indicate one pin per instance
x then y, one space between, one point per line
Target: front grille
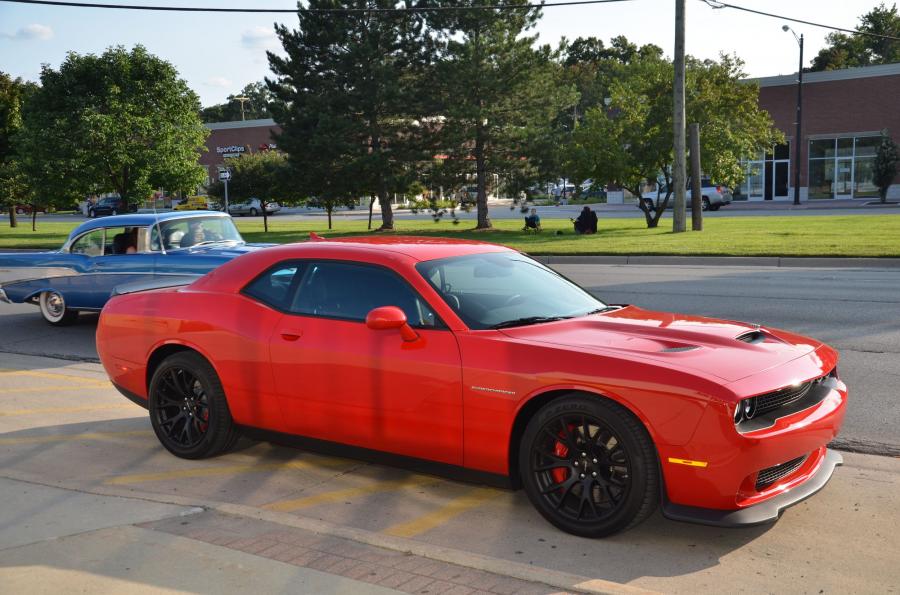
770 475
780 398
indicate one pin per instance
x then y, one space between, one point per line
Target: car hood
705 345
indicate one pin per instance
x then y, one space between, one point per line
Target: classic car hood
702 344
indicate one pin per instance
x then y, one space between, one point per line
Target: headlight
745 409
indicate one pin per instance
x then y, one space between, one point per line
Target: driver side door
339 380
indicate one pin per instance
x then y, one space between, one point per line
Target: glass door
843 179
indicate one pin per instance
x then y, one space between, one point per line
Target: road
855 310
503 211
92 503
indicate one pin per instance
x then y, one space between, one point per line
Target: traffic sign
225 175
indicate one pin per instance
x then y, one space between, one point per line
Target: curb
730 261
553 578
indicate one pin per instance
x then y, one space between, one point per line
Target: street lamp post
797 137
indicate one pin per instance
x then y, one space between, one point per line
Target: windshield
193 231
505 289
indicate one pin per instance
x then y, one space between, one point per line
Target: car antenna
162 245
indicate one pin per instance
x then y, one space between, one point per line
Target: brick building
844 112
229 140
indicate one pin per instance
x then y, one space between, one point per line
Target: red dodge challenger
482 362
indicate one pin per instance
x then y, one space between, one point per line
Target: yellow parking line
74 437
457 506
345 494
224 470
46 410
43 389
53 375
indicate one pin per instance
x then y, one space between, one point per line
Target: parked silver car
712 198
252 207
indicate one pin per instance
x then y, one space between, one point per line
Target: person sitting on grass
586 222
532 221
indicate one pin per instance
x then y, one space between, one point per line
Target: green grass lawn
855 235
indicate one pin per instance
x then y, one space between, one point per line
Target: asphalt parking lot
91 499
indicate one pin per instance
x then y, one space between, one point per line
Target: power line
715 4
529 6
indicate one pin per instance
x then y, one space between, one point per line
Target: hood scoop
679 349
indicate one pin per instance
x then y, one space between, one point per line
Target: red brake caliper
560 474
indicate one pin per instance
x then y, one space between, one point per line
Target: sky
217 54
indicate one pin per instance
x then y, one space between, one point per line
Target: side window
90 244
274 286
350 292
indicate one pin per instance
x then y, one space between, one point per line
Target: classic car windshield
193 231
505 289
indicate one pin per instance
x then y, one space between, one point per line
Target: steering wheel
513 299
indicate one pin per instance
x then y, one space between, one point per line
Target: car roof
139 220
416 247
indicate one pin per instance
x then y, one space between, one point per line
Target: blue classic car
103 254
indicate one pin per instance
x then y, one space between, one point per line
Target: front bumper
766 511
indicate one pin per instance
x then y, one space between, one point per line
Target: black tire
704 204
20 211
253 212
595 487
92 214
54 310
714 207
114 212
188 409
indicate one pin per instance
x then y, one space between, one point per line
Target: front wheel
54 311
589 466
92 213
188 409
254 212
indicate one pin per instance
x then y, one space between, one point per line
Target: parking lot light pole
797 138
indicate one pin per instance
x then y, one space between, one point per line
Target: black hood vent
752 337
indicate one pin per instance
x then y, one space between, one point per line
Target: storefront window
821 177
864 177
821 148
842 167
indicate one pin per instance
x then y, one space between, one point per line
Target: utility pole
678 117
242 99
696 199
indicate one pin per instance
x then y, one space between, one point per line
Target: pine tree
348 100
500 93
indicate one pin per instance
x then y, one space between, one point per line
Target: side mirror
390 317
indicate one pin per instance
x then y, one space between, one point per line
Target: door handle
291 335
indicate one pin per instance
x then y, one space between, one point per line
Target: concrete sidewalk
55 541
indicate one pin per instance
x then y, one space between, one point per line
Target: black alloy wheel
589 466
188 409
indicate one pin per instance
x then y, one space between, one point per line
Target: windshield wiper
601 310
528 320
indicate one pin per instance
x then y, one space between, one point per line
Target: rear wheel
705 204
114 212
92 213
54 310
589 466
253 212
188 409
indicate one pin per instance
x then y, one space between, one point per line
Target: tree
499 93
122 121
885 166
630 141
349 100
847 51
262 175
13 185
257 105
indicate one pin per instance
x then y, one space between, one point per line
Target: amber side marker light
687 462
